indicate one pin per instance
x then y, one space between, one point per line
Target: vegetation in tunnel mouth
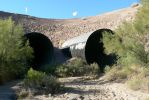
94 50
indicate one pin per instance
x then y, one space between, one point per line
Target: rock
113 93
49 95
134 5
74 97
81 98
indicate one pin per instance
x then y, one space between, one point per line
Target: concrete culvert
94 49
90 47
43 49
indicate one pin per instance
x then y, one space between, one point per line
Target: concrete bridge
57 40
61 45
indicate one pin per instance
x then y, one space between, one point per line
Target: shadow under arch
43 49
94 50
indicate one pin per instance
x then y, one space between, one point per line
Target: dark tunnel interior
94 49
43 49
66 52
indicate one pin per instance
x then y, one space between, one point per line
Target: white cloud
26 10
75 13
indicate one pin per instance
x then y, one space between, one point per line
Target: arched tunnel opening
94 50
43 49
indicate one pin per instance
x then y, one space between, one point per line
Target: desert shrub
107 69
115 73
139 80
141 22
41 83
51 69
76 67
135 83
130 41
147 98
22 94
93 69
127 45
136 77
14 54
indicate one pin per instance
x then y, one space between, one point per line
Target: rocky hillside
59 30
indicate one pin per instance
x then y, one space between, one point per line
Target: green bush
41 83
130 41
14 54
76 67
93 69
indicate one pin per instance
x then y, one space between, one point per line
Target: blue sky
62 9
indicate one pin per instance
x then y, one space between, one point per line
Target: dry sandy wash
82 88
97 89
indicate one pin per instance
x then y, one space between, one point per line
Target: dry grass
137 78
116 73
147 98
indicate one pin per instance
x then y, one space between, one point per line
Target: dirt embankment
59 30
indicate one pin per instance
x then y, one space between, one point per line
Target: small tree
130 42
14 54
